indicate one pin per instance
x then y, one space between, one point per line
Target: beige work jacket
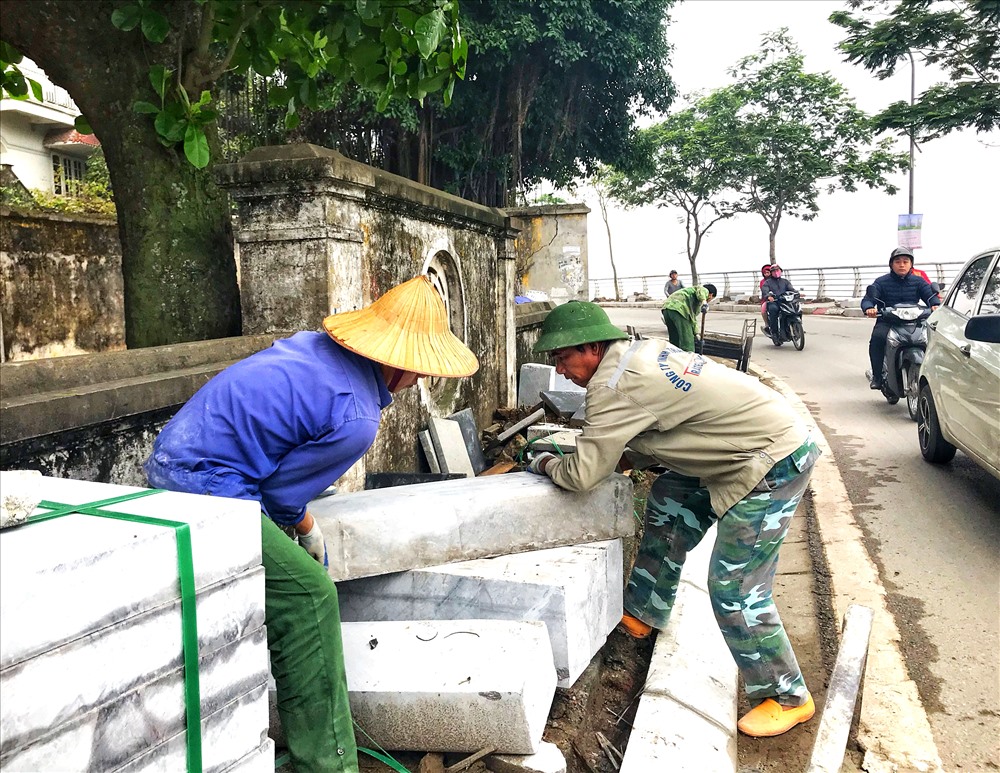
692 415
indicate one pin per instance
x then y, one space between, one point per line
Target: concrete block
428 448
515 428
668 736
145 723
96 672
691 663
449 445
470 433
579 417
260 760
563 384
62 560
411 527
548 759
456 686
576 591
543 429
564 441
534 379
564 404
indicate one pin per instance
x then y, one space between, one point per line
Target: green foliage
13 83
391 50
795 133
962 37
546 199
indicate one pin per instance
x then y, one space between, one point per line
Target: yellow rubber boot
771 718
634 627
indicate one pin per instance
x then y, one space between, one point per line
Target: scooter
789 321
904 352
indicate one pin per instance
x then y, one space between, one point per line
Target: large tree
962 37
553 90
797 134
144 75
687 162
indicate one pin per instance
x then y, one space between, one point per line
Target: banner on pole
909 231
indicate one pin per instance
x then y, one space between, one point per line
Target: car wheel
933 447
798 335
912 375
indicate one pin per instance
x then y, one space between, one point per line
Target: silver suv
959 399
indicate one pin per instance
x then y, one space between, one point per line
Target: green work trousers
307 656
680 331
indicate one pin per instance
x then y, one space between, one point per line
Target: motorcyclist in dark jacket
900 285
770 290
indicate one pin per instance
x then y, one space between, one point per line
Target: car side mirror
985 328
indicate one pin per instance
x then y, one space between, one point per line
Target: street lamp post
913 96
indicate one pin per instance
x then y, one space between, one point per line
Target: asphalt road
934 532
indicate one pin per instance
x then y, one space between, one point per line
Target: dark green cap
575 323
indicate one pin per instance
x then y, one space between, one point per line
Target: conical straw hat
407 328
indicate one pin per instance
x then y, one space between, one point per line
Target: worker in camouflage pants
738 456
740 575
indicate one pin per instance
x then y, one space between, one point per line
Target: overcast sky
956 178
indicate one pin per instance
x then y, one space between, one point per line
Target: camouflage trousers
741 570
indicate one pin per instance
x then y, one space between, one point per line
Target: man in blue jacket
900 285
279 427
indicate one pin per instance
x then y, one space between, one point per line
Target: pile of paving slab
92 634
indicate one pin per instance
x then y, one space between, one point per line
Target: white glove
314 544
704 308
535 465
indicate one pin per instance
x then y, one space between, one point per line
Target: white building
37 140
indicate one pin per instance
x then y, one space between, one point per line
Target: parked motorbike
789 321
904 352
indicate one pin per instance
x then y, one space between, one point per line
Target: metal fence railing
832 282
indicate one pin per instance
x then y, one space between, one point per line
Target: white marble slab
139 721
453 686
227 736
576 591
410 527
52 688
260 760
86 573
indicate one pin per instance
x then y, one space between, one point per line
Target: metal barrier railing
833 282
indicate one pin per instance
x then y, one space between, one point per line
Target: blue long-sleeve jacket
278 427
892 289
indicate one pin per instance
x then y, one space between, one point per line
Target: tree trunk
174 222
611 254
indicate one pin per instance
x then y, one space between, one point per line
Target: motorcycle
904 352
789 321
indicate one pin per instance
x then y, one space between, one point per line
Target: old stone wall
551 250
61 286
319 233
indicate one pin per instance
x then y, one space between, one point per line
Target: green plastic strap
189 617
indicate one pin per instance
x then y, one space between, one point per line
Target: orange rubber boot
771 718
634 627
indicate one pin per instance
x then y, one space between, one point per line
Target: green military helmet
575 323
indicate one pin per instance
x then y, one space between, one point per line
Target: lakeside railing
831 282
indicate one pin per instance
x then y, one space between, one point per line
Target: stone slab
450 686
470 433
668 736
548 759
227 736
260 760
428 448
96 670
63 560
534 378
449 445
564 404
563 384
515 428
134 724
543 429
576 591
564 441
411 527
579 417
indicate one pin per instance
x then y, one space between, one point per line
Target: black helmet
901 252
